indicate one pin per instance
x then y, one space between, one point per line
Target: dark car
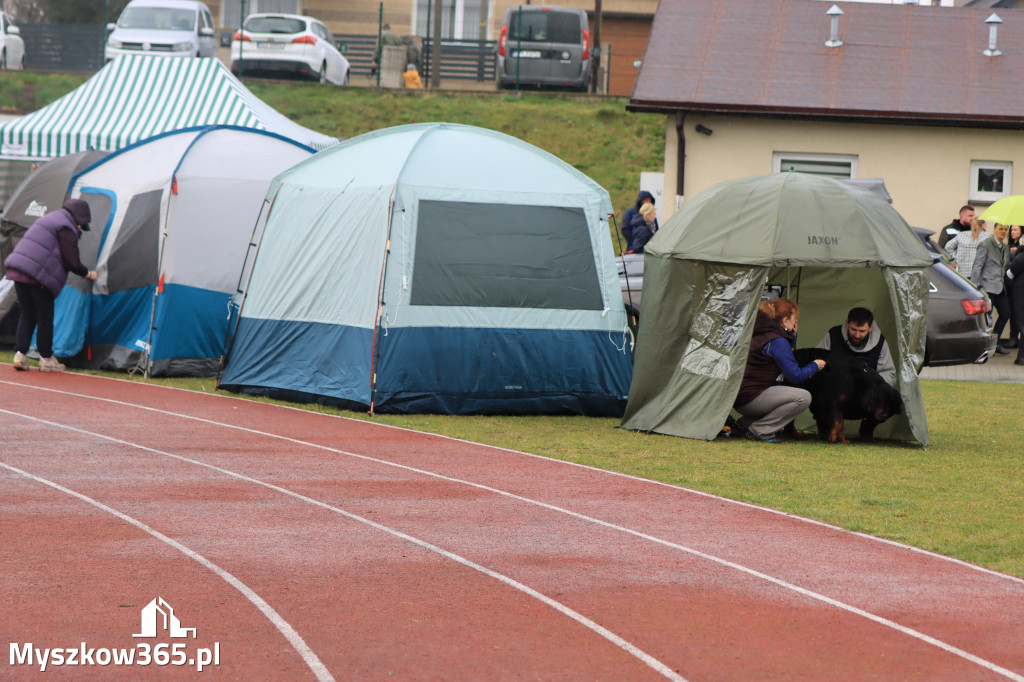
959 314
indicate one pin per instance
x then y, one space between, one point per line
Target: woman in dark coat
765 402
1015 279
1014 243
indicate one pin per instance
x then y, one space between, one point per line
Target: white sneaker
50 365
20 361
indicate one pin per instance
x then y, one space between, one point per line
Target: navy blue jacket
633 211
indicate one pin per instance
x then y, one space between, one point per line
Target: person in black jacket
860 337
959 224
1014 243
1015 278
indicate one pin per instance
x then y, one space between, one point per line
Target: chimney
993 24
833 14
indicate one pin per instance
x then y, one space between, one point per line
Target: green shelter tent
824 243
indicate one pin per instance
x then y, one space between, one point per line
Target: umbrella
1006 211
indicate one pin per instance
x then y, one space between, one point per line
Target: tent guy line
583 517
591 625
289 633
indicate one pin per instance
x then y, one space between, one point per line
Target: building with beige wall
910 94
926 169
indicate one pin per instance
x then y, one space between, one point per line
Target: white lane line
300 646
552 460
666 543
558 606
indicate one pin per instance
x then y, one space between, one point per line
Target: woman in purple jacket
39 267
765 402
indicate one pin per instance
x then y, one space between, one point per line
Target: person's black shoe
1001 351
762 439
1009 344
1019 361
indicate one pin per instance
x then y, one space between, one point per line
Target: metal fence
63 47
77 47
468 60
472 60
358 50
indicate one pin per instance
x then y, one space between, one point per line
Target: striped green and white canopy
136 97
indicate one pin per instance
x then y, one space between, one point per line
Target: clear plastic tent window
718 320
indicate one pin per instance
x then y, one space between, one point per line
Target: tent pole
229 335
375 347
622 257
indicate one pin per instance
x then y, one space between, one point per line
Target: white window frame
457 21
779 157
978 195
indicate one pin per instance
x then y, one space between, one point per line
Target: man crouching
860 337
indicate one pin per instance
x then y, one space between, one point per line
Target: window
990 180
460 19
551 27
504 256
830 165
231 10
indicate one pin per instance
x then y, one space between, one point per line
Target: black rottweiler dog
847 389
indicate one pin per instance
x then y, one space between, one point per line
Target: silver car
162 28
544 46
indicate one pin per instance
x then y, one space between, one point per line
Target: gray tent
826 244
38 194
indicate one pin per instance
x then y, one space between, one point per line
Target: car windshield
158 18
282 25
545 27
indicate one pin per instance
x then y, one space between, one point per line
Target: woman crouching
765 403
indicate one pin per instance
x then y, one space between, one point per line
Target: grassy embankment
963 496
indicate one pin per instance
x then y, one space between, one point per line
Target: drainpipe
680 156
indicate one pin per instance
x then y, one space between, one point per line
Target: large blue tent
435 268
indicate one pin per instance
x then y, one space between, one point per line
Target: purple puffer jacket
38 253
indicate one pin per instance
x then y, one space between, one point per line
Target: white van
162 28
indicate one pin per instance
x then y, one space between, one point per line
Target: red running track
305 546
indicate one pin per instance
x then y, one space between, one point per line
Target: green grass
597 136
963 496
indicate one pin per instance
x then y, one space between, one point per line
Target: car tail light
241 36
976 306
308 40
501 40
586 44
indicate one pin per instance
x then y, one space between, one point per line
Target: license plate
527 54
270 46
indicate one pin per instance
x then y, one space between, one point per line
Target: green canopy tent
826 244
